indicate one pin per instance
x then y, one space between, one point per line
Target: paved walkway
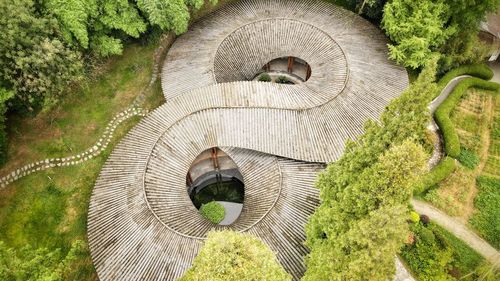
460 230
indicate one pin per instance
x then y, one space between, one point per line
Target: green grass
49 208
487 202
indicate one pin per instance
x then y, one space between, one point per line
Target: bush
265 77
438 174
442 115
487 220
228 255
213 211
282 80
468 158
414 217
439 255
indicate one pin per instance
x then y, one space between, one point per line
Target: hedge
438 174
477 70
213 211
442 115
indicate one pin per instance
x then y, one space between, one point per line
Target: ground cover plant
487 218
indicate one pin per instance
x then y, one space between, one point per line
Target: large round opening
215 186
284 70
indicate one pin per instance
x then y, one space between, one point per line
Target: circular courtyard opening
215 186
285 70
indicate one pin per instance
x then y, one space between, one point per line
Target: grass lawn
49 208
472 118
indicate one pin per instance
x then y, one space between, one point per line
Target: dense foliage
46 46
213 211
36 264
360 224
228 255
487 219
435 254
4 97
41 48
420 28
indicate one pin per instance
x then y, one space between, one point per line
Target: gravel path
459 230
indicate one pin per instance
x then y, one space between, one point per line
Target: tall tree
361 228
418 28
36 63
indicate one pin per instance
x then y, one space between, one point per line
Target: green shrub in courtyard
265 77
228 255
282 80
213 211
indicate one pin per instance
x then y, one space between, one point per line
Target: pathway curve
460 230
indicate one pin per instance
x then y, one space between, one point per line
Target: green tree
36 63
228 255
360 228
463 46
361 218
74 17
5 95
418 28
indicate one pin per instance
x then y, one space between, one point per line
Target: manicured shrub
477 70
442 115
438 174
468 158
213 211
282 80
487 220
265 77
228 255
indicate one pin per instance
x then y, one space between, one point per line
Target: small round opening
215 186
284 70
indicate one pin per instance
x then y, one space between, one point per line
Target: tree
36 63
359 229
463 46
5 95
418 28
228 255
74 17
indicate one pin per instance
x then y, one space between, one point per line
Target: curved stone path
93 151
460 230
141 223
